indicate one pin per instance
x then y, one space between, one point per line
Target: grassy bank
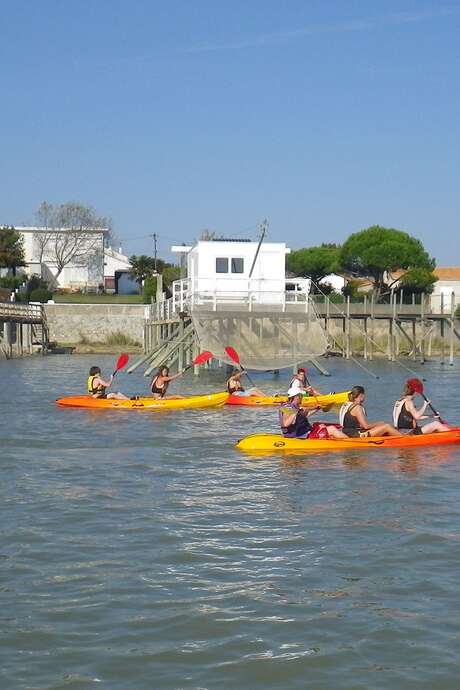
78 298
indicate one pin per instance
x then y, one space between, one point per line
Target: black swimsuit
159 391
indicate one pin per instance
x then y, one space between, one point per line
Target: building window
221 265
237 265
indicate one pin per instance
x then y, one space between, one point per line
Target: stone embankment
100 326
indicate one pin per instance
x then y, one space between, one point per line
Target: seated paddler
97 387
294 420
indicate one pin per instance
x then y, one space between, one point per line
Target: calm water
140 551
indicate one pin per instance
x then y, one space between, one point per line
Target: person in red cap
406 415
299 380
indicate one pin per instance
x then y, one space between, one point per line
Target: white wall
268 274
114 261
445 287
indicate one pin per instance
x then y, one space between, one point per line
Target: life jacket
300 427
159 391
402 418
235 387
347 420
297 383
98 391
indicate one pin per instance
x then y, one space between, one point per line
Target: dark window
237 265
221 265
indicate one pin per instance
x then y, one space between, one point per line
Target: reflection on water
143 550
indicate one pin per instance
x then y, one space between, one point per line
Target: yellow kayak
309 401
277 442
190 402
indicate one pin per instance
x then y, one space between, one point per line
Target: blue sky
324 117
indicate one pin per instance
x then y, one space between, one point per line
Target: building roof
37 229
447 273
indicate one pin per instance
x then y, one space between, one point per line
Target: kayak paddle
233 354
202 358
122 361
309 384
417 386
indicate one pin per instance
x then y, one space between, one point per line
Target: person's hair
94 371
301 371
160 370
408 390
355 391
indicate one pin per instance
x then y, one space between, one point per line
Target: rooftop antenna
263 229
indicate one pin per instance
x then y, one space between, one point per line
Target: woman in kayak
353 419
294 420
97 387
300 380
406 415
235 387
160 382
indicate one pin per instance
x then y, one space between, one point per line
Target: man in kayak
294 420
160 382
235 387
97 387
406 415
300 380
353 419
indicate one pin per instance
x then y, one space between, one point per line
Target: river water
140 550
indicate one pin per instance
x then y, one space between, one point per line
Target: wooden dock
23 329
413 329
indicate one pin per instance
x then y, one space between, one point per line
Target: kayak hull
277 443
308 401
193 401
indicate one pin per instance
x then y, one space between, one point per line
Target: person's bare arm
288 418
100 382
417 414
361 419
171 378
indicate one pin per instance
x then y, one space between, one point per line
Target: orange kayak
192 401
277 443
307 401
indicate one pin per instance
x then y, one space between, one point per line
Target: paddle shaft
436 414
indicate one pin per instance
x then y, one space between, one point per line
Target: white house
448 283
114 261
88 261
235 271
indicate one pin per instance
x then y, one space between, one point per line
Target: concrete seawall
95 323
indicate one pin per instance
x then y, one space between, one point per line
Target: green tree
376 252
418 280
11 249
314 262
142 267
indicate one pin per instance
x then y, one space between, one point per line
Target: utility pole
263 228
155 250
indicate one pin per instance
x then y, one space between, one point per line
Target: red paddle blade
203 357
122 361
416 385
233 354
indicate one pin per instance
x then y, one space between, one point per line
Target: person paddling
160 382
235 387
300 380
406 415
353 419
294 420
97 387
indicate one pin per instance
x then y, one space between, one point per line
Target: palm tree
141 267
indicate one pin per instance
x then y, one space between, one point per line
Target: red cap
304 371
